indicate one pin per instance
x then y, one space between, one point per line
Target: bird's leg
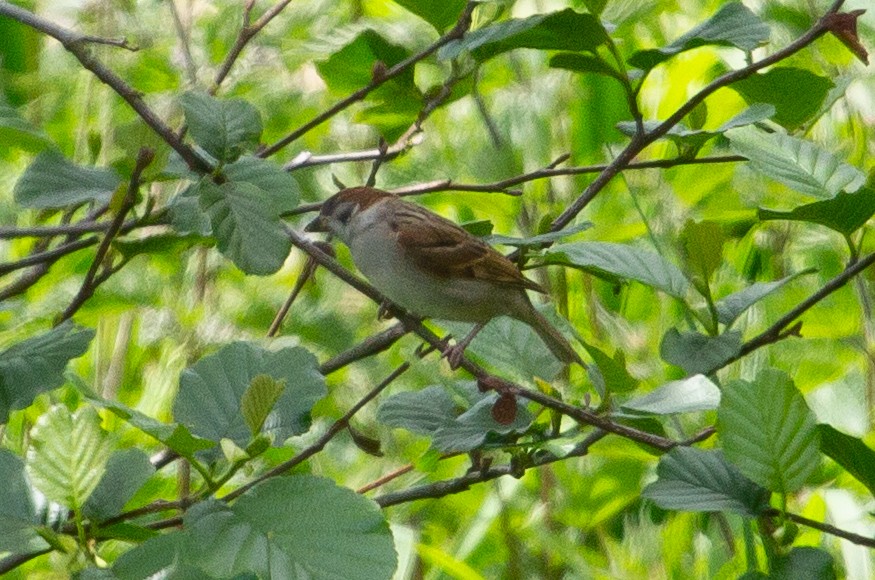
455 353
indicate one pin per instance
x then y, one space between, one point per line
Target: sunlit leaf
696 393
733 25
797 163
441 14
732 306
68 454
768 431
259 399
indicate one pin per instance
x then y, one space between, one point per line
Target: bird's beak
317 225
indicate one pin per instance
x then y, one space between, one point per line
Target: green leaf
798 164
36 365
768 431
278 187
352 67
845 213
186 215
540 239
423 412
697 353
703 249
583 63
160 557
292 527
52 182
247 228
696 393
126 471
732 306
513 346
804 562
477 426
441 15
850 452
797 94
614 375
621 261
564 30
696 480
16 131
68 455
223 127
211 392
258 401
733 25
17 515
479 228
177 437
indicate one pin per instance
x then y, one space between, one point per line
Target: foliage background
582 517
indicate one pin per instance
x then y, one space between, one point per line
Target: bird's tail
558 344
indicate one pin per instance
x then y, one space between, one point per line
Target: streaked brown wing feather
441 247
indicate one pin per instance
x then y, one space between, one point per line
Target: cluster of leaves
79 480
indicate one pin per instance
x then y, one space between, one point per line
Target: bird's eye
345 212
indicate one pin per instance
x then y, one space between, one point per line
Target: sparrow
433 268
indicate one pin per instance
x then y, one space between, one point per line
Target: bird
433 268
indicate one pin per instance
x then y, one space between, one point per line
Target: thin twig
48 256
463 483
641 140
320 443
503 186
144 158
77 45
826 528
372 345
456 32
776 331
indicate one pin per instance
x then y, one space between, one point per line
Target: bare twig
503 186
826 528
47 257
372 345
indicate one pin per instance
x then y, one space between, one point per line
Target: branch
247 32
642 140
503 186
320 443
826 528
77 45
90 283
47 257
463 483
457 32
776 331
501 385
